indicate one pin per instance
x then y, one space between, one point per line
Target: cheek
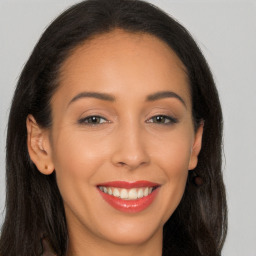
76 160
75 152
173 152
173 159
174 162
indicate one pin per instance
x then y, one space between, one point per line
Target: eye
92 120
162 119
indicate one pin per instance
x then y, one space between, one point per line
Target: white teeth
124 194
116 193
140 193
127 194
109 191
145 192
133 194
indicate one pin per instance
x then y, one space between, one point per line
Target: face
122 125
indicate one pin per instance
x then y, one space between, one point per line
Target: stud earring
196 179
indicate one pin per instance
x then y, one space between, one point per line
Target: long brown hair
34 205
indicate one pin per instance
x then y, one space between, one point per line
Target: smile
129 197
127 194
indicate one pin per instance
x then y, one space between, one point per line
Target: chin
132 234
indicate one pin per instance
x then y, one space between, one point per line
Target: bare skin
130 134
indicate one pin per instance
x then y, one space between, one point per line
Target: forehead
120 43
116 61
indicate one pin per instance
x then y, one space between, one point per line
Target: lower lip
130 206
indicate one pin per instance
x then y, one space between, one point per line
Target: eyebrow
165 94
96 95
111 98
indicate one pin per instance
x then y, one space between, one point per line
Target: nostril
121 163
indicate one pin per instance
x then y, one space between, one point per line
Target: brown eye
92 120
162 119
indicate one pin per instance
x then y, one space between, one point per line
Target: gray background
226 33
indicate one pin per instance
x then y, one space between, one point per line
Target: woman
114 140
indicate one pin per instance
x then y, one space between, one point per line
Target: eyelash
171 120
89 120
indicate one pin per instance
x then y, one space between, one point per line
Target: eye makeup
94 120
163 120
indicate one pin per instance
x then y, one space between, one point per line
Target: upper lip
128 184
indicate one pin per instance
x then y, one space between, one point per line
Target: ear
39 147
196 147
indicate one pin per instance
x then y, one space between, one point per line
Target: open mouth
128 194
129 197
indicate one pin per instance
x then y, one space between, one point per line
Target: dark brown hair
34 205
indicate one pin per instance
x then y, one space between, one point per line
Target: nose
131 150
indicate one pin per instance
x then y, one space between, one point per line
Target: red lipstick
127 185
129 206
